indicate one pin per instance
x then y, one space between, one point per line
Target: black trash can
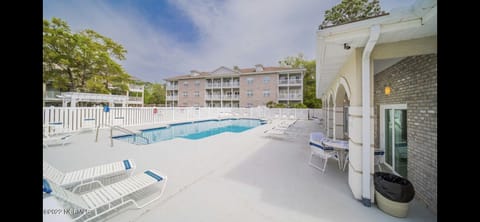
393 193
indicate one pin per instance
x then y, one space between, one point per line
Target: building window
250 80
185 94
266 79
266 93
196 93
197 83
185 83
249 93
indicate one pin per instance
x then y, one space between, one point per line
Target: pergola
74 97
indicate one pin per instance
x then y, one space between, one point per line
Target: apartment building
237 87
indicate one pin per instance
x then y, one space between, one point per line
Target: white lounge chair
56 140
319 149
88 124
100 175
103 200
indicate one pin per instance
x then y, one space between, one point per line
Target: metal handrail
121 129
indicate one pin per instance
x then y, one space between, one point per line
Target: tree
351 10
83 61
298 106
309 84
154 93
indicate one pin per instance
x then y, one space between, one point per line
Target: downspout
366 129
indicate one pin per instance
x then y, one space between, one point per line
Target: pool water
193 130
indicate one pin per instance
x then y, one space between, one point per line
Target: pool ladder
124 130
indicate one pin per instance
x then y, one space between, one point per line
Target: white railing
295 81
73 119
172 97
172 87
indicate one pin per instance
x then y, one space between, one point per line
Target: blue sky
165 38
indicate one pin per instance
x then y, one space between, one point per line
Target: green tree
298 106
351 10
83 61
309 84
154 93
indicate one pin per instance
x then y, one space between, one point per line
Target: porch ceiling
416 21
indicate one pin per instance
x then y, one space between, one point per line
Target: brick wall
414 82
257 87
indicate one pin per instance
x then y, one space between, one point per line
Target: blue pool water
193 130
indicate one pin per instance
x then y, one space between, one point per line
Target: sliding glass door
393 125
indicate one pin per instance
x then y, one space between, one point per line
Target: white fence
74 118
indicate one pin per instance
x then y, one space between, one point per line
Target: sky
166 38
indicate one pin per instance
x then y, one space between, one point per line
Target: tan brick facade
248 87
413 82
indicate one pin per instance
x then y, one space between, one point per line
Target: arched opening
342 102
330 116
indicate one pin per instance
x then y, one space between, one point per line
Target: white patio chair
318 149
106 199
379 158
101 175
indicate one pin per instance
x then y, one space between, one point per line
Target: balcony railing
213 97
224 97
283 82
134 98
294 96
172 87
172 97
295 81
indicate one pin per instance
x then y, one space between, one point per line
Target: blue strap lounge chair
103 200
101 174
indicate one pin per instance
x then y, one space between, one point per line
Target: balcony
292 96
135 88
172 97
295 81
283 82
172 87
234 84
134 98
230 97
213 97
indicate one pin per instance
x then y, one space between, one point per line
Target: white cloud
232 32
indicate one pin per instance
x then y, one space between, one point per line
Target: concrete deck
233 177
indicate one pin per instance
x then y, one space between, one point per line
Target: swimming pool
193 130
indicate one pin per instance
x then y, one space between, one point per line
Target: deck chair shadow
89 178
318 149
133 190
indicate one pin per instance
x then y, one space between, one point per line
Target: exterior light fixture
388 90
346 46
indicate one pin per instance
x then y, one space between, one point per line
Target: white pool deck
232 177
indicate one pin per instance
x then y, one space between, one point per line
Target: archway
342 102
330 122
